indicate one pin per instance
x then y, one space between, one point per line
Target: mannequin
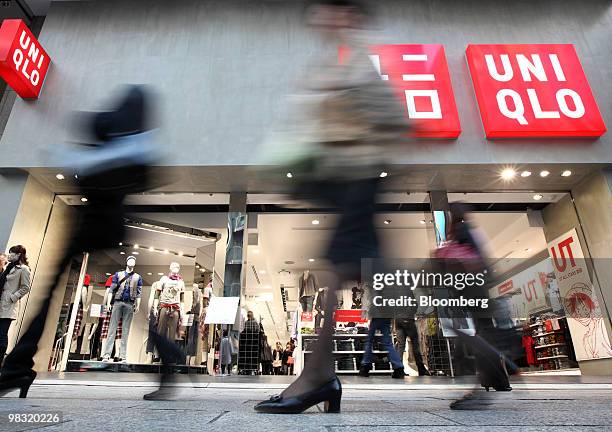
124 298
169 302
319 305
196 311
308 287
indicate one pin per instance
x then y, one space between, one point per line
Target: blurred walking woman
350 115
14 284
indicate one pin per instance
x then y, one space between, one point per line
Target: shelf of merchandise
351 352
552 357
549 345
549 333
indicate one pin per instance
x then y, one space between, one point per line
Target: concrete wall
12 187
221 69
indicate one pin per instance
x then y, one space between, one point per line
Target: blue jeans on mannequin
384 325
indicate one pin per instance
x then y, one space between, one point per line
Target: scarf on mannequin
173 276
5 273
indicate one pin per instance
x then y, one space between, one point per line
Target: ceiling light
387 222
150 274
160 274
121 253
422 221
151 249
83 199
181 253
316 222
202 270
508 174
525 173
136 246
120 243
289 175
544 173
384 174
538 197
166 251
108 274
311 260
60 176
197 265
566 173
135 253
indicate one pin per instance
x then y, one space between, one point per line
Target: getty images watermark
404 280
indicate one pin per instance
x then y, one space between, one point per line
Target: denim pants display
306 302
384 325
121 311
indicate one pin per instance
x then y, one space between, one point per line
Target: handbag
290 360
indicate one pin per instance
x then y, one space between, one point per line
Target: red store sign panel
23 61
533 91
420 75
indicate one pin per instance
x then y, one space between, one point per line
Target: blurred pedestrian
465 251
14 284
3 261
116 165
351 115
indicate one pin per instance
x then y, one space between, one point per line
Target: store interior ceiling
282 245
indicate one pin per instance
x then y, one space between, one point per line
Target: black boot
364 370
398 373
423 370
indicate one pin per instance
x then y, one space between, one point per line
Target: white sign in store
222 310
582 308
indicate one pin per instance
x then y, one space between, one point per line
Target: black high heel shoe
22 383
330 393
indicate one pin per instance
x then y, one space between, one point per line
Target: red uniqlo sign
420 75
23 61
533 91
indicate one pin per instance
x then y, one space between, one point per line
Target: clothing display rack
249 355
547 343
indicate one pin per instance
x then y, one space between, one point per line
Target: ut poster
582 308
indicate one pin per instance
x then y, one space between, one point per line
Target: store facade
221 72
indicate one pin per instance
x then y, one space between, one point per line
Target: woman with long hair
14 284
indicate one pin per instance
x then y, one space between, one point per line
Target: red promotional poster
420 75
533 91
23 61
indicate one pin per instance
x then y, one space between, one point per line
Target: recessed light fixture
525 173
120 243
289 175
422 221
387 221
181 253
136 246
384 174
135 253
315 222
160 274
84 199
202 270
151 249
566 173
59 176
508 174
544 173
311 260
197 265
121 253
150 274
538 197
166 251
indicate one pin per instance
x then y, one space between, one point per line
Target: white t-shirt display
170 290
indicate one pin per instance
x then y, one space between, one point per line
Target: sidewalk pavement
113 402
